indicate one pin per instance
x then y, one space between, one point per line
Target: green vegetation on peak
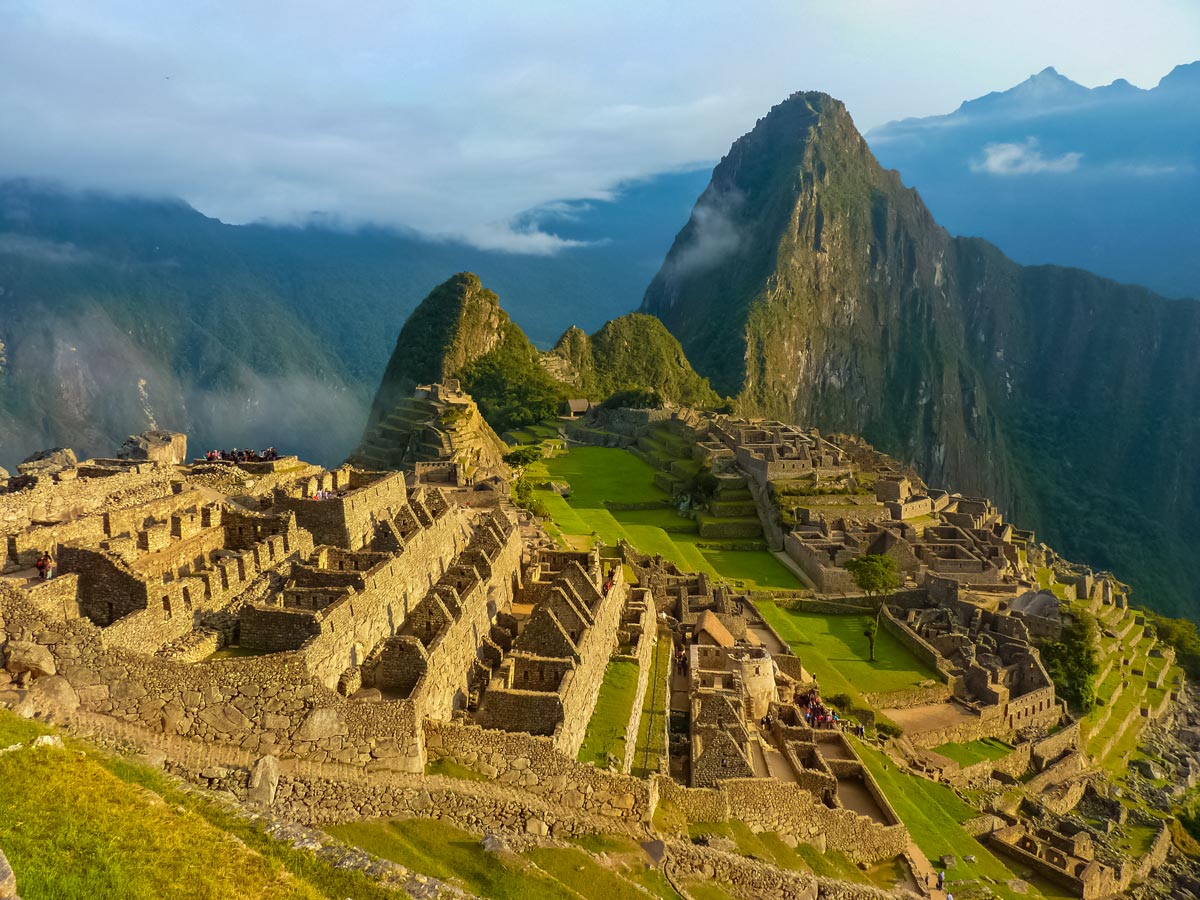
633 352
509 383
457 323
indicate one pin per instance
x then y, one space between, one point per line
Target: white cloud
447 117
714 235
506 237
1023 159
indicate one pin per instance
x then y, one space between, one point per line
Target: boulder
24 656
494 843
48 462
167 447
323 722
264 780
536 826
55 694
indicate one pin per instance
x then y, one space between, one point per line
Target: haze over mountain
116 313
1106 178
815 286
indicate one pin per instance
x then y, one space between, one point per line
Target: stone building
549 682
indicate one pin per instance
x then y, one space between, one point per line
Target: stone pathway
924 872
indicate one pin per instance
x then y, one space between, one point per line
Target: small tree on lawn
521 457
876 576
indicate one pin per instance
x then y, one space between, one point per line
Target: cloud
448 117
1023 159
58 252
508 237
714 235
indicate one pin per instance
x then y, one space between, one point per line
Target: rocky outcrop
814 286
28 659
48 462
167 447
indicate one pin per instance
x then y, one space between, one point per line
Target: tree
520 457
876 576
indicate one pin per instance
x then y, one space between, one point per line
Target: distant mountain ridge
814 286
119 313
1105 178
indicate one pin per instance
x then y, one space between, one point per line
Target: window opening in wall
166 601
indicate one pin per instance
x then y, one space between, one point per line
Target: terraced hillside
1134 686
420 429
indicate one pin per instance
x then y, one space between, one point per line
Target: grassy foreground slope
75 823
442 851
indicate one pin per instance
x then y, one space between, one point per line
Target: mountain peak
459 321
1185 75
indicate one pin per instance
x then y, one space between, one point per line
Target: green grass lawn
603 474
934 815
835 650
76 824
971 752
606 729
652 727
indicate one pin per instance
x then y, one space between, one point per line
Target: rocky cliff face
810 283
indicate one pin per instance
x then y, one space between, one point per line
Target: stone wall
789 810
647 630
536 765
443 686
1012 764
267 704
348 520
581 686
759 879
914 643
352 626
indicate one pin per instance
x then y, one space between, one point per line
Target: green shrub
1072 664
634 398
888 729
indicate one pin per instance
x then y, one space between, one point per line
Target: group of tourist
681 661
325 495
45 566
816 713
240 456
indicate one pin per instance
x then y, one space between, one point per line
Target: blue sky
452 117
